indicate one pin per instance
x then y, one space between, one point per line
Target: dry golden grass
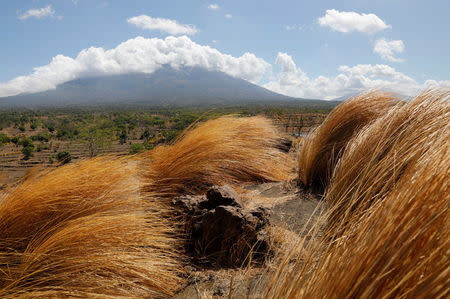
398 250
225 150
399 246
84 230
378 156
322 147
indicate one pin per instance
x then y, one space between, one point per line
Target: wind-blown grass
225 150
397 246
323 146
378 156
89 229
84 230
398 250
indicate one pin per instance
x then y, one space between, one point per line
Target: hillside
187 86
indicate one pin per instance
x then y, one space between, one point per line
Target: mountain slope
165 86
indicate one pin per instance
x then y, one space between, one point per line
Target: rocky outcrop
220 231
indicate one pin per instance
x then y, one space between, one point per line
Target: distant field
91 131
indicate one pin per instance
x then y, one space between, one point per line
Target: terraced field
13 167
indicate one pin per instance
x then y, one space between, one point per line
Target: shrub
64 157
4 139
136 148
123 137
43 137
27 152
15 140
26 142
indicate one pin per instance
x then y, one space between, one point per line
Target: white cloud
136 55
38 13
75 2
292 81
214 7
166 25
293 27
228 16
346 22
387 49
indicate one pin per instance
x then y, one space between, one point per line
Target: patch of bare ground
291 213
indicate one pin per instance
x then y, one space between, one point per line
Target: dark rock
230 234
223 196
189 204
219 230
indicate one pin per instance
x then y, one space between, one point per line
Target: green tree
145 135
27 142
15 140
96 139
4 139
27 151
123 137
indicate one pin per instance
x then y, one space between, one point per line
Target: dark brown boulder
220 231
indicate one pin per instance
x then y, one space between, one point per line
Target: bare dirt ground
291 211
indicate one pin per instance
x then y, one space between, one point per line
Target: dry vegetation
104 227
225 150
88 229
390 211
323 146
380 154
83 230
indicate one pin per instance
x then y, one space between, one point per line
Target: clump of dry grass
398 250
398 245
225 150
322 147
84 230
378 156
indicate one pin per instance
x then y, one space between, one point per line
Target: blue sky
313 49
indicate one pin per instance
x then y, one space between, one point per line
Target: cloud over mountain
144 55
137 55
